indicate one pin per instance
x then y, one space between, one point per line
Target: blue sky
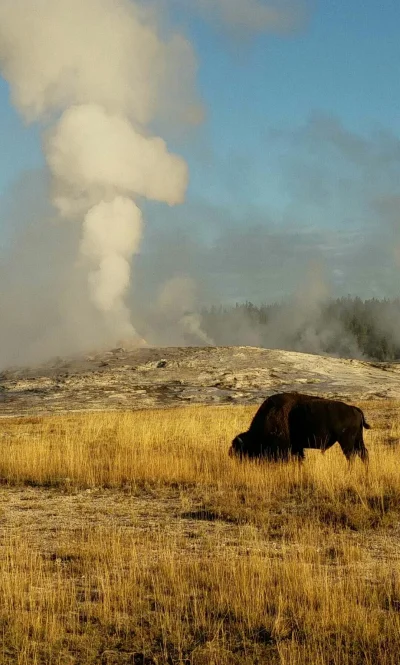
260 94
345 61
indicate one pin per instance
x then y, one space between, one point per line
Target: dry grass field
134 538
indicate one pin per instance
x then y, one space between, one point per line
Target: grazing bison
287 423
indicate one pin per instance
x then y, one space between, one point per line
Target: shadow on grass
207 515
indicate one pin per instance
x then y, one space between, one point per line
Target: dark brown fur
287 423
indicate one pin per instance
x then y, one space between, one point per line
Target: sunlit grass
107 594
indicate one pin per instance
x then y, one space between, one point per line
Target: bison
287 423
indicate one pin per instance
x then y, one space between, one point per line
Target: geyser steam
98 73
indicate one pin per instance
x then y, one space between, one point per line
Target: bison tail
364 422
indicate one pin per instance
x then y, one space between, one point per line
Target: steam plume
176 301
98 73
252 15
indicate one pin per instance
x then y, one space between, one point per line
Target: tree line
347 327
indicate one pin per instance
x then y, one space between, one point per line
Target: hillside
153 377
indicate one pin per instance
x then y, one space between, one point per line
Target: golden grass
292 568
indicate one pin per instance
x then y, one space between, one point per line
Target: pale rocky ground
164 377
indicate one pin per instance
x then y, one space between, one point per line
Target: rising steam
97 74
103 78
250 16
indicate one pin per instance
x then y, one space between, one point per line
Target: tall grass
107 594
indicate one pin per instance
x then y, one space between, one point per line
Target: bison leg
361 449
298 455
351 443
359 446
364 454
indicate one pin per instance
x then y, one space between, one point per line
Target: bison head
240 445
270 448
245 445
